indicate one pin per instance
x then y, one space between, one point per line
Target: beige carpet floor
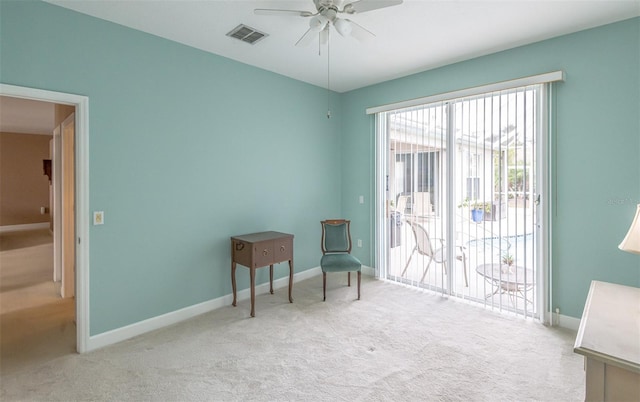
396 344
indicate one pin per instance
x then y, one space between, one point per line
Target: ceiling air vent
246 34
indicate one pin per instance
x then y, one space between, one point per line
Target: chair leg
324 286
404 271
348 278
463 258
444 268
464 264
359 285
426 269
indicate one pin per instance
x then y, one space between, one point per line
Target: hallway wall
24 188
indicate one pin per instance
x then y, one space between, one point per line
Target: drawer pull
282 249
265 252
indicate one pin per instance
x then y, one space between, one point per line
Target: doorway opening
37 246
63 239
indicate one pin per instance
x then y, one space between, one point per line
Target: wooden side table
256 250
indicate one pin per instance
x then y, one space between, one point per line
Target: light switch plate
98 217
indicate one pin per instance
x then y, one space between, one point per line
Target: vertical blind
458 213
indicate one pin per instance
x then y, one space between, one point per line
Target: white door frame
67 206
56 208
81 104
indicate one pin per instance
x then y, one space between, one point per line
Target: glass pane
417 217
494 181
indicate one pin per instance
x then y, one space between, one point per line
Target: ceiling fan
326 15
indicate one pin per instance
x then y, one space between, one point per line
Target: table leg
497 289
252 275
233 282
290 280
271 278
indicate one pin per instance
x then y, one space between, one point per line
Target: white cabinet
609 338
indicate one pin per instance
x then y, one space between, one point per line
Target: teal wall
185 150
597 147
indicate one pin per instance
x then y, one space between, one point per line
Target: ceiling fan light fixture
342 26
318 23
327 15
324 36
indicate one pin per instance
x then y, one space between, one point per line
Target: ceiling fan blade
359 32
307 38
362 6
271 11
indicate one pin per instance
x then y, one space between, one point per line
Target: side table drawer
263 254
283 249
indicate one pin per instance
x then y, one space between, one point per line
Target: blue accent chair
336 252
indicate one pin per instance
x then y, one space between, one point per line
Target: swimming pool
520 247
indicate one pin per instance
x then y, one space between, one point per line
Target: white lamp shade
631 242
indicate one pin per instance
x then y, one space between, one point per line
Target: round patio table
510 279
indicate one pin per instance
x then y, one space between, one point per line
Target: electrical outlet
98 217
359 242
361 199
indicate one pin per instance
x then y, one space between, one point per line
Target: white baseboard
174 317
26 226
564 321
368 271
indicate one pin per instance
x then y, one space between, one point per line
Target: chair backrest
336 236
422 238
422 204
402 203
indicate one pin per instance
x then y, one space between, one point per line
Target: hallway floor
35 323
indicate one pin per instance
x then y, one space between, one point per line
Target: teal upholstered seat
336 252
339 263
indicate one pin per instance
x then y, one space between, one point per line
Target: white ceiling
415 36
24 116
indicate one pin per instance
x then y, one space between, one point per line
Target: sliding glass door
461 191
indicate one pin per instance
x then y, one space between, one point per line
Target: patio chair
422 206
425 247
402 204
336 252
